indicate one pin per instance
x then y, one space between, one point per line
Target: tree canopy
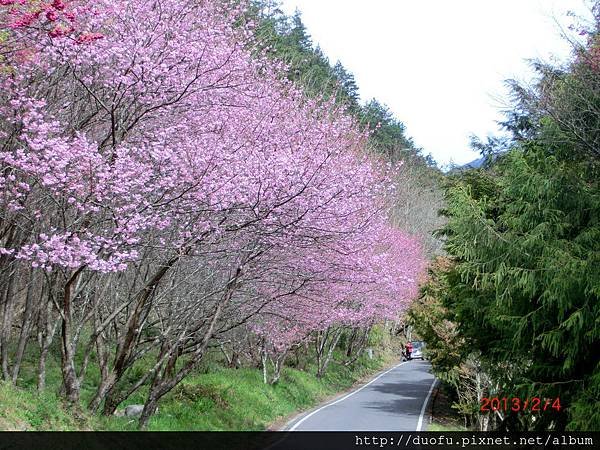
523 238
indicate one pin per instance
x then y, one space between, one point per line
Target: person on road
409 349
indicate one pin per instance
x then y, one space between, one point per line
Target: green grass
22 409
439 427
237 399
214 398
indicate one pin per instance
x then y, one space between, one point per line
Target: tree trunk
105 382
359 346
277 366
31 310
105 375
5 330
47 336
149 408
264 361
70 379
322 367
127 343
162 385
351 340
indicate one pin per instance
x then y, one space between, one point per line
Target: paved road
392 401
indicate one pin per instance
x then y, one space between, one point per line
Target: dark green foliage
287 40
429 319
525 236
388 133
526 287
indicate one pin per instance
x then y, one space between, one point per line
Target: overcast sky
438 64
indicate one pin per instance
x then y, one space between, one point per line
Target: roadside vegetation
512 310
215 397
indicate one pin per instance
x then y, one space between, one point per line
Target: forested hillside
189 186
512 311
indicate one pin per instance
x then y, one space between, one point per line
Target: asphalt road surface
395 400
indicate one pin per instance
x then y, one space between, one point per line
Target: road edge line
293 428
425 403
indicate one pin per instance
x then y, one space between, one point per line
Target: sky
439 65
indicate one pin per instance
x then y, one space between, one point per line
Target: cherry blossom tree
162 185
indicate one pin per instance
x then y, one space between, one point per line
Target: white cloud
439 65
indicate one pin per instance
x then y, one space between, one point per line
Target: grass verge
222 399
444 417
25 410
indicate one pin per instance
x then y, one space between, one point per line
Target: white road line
420 422
343 398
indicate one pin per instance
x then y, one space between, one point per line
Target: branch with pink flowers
164 190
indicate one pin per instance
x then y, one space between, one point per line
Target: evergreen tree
525 237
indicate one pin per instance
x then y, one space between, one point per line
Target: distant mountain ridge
475 164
